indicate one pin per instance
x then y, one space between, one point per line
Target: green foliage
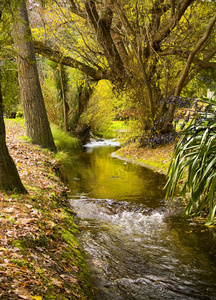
10 88
114 130
65 160
196 154
57 78
97 113
206 79
9 78
64 141
25 138
18 120
52 91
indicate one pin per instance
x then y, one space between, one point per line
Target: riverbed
138 247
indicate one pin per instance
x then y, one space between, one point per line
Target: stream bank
157 159
40 255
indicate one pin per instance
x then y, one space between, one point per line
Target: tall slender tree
37 124
9 177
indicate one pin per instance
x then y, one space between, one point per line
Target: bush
19 114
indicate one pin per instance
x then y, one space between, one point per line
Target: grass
115 130
19 120
67 145
157 159
64 141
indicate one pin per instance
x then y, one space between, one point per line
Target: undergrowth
64 141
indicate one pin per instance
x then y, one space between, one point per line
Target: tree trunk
102 26
9 177
65 104
84 93
37 124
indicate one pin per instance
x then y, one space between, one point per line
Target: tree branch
102 26
74 8
197 47
57 56
166 30
203 64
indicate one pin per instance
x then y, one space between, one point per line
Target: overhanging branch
203 64
58 57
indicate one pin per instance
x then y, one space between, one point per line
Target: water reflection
138 250
100 176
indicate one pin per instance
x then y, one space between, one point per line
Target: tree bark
37 124
102 26
9 177
64 100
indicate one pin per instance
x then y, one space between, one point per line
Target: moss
22 263
13 221
19 244
26 139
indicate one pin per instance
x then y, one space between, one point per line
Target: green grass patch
64 141
65 159
115 130
26 139
67 145
19 120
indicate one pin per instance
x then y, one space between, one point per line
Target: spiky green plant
196 153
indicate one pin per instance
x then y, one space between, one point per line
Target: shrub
196 151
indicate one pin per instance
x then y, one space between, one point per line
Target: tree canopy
152 48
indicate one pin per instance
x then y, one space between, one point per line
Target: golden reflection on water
101 176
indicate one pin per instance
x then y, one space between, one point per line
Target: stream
138 247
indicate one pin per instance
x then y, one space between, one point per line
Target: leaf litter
36 259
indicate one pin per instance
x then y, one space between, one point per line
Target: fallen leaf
8 210
3 249
56 282
23 293
28 206
37 297
24 221
69 278
50 224
4 221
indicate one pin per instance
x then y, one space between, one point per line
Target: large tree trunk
37 124
9 177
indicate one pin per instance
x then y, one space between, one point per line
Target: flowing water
138 247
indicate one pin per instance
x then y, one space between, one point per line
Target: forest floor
40 257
